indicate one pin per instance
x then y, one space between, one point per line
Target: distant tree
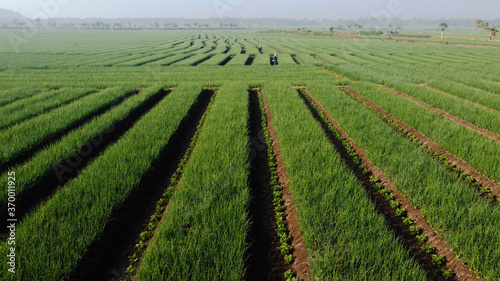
443 26
486 26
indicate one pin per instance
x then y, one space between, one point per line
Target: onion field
189 155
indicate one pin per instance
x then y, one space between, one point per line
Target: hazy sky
312 9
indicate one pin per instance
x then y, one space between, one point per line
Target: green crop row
278 203
474 95
469 146
42 103
51 240
202 236
344 235
465 176
463 110
467 222
22 136
239 59
376 183
161 206
51 158
12 95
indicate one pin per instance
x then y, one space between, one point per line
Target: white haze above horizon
312 9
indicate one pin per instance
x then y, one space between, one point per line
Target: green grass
53 238
52 156
210 203
332 204
24 135
340 235
467 222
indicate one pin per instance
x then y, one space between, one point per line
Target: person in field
260 48
275 59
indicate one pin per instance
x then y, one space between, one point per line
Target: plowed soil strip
316 58
265 261
71 167
459 98
107 257
467 168
250 60
333 73
396 223
153 60
224 62
27 154
297 61
177 60
278 51
202 60
300 264
464 123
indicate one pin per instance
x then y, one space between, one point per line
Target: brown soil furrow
457 120
461 270
341 59
459 98
264 259
464 166
297 61
329 72
279 52
316 58
300 253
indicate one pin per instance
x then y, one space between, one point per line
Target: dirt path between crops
28 153
464 166
457 120
316 58
278 51
459 98
264 259
297 61
300 254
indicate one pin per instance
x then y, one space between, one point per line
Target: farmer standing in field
260 48
275 59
